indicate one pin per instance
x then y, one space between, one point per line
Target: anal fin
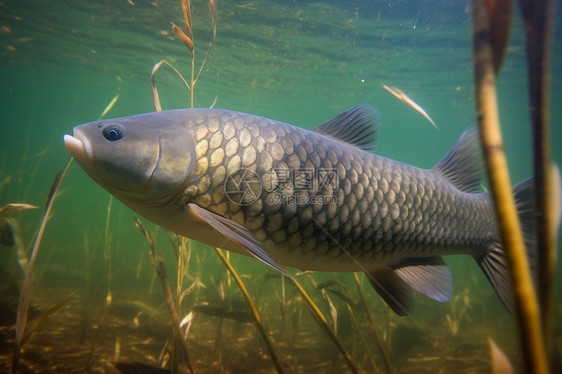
429 276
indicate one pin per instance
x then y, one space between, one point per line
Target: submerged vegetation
220 313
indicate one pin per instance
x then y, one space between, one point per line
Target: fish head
146 158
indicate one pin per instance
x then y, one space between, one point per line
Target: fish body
314 200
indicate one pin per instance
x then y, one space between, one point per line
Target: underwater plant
22 331
490 30
219 314
173 305
187 39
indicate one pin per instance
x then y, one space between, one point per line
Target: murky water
61 63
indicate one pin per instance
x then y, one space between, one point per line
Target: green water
300 62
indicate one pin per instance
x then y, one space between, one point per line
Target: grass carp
314 200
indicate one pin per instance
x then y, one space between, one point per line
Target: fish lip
78 145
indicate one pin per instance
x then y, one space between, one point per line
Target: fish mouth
78 146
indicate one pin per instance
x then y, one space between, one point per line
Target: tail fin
494 265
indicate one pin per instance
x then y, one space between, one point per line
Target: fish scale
384 208
314 200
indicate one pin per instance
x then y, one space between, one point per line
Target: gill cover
145 157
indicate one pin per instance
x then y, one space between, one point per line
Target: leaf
46 314
109 106
15 208
184 38
155 96
396 92
186 10
25 294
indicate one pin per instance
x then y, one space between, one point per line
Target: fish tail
494 263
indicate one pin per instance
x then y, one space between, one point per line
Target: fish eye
113 132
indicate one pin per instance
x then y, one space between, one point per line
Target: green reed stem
323 322
25 294
538 16
362 338
378 340
528 314
253 309
106 251
158 264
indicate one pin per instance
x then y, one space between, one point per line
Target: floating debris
15 208
500 362
404 98
109 106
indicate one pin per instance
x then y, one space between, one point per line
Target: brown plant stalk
500 188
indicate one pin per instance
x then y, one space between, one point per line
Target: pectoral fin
238 234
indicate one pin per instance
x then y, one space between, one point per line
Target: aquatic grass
186 37
458 311
29 183
351 305
107 252
107 235
486 66
47 313
109 106
253 309
9 223
25 294
158 264
183 250
323 322
13 226
538 16
183 253
375 332
326 298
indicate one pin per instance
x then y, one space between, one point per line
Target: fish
319 200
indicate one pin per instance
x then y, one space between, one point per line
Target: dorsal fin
357 126
463 166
